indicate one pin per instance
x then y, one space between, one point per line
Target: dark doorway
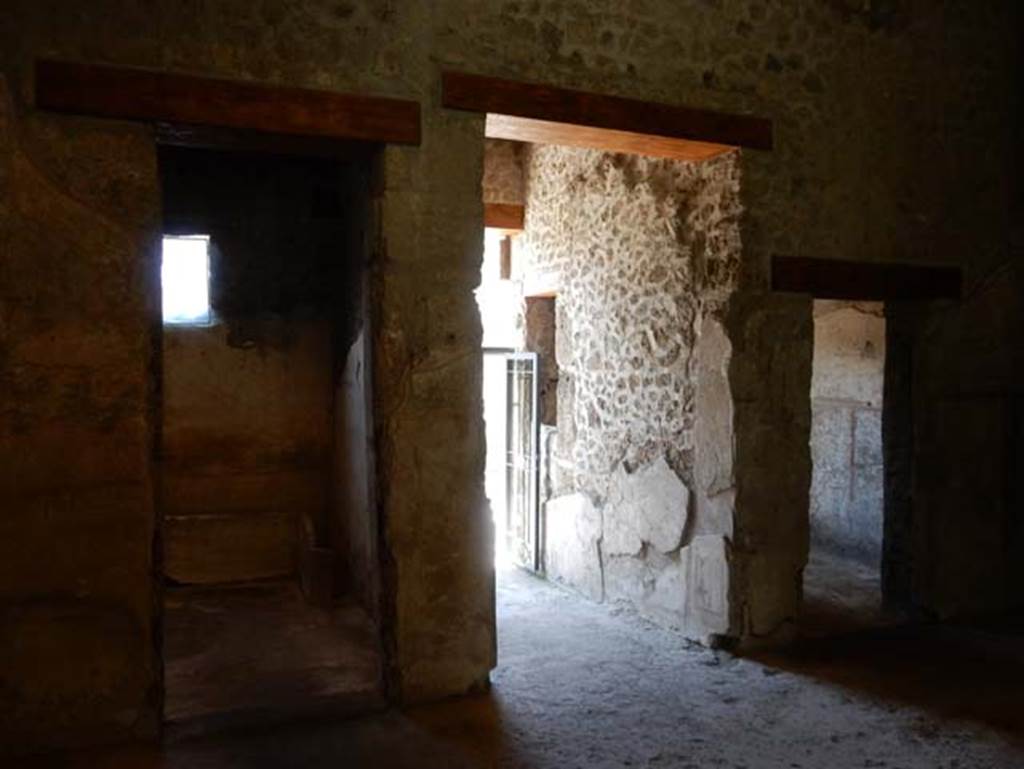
269 536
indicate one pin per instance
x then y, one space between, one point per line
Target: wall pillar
770 382
437 534
79 341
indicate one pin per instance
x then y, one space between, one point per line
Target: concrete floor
260 653
587 685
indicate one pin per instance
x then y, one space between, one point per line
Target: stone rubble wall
539 332
644 252
846 428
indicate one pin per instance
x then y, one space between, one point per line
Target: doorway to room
271 605
842 586
601 335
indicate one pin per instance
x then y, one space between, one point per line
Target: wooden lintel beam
497 96
136 94
239 140
865 281
523 129
504 216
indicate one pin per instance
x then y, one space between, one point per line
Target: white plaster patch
708 575
573 533
692 591
650 505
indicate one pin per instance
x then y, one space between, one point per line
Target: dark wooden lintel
239 140
561 105
864 281
504 216
136 94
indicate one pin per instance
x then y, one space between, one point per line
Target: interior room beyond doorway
842 588
269 559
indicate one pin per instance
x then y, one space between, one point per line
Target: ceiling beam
864 281
136 94
600 112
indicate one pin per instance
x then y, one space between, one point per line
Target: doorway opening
603 335
265 443
842 586
510 407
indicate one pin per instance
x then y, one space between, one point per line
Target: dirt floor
246 653
587 685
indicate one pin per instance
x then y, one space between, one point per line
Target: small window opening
185 278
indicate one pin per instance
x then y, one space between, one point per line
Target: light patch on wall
498 298
185 279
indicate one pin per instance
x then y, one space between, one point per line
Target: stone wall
539 321
644 253
767 384
846 429
79 338
871 161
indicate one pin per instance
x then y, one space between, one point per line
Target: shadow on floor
962 671
955 671
460 734
586 686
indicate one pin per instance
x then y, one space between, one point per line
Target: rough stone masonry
643 254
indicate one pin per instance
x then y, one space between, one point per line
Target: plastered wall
79 657
872 160
246 449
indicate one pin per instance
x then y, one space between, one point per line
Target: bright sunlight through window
185 276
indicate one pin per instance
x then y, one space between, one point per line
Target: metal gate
521 452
